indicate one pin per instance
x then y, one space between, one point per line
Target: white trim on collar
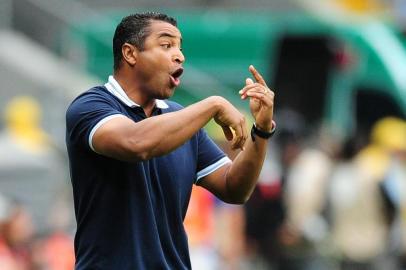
114 88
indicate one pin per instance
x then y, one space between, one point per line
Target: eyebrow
165 34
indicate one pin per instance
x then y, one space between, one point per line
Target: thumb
249 81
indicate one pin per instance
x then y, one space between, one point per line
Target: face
159 66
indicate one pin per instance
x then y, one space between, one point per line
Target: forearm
243 174
234 183
159 135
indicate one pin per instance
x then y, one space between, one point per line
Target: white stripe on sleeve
213 167
99 124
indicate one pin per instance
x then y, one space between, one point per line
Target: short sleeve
88 112
210 156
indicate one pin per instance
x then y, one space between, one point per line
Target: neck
133 90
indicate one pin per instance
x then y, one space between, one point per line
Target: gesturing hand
261 100
233 124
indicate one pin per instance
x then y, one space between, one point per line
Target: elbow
244 199
239 200
142 156
139 151
145 149
237 193
127 149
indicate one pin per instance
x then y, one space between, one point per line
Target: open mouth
175 76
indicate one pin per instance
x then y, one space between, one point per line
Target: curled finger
245 134
238 137
266 98
243 92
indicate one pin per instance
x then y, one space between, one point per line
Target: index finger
257 76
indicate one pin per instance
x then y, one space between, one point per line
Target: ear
129 53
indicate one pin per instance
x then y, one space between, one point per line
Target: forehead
160 28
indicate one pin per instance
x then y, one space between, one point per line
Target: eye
166 45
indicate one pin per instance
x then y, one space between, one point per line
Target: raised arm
124 139
235 182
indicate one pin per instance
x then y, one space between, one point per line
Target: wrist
258 132
217 103
266 128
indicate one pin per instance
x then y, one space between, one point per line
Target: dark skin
146 76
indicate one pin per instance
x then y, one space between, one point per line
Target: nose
179 57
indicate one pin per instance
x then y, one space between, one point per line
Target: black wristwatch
255 131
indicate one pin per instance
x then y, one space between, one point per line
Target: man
134 156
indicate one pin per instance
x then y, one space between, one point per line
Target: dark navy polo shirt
130 215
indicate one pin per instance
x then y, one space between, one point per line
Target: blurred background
332 193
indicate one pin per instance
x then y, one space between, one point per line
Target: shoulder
93 103
92 99
94 93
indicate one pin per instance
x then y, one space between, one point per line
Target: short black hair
134 29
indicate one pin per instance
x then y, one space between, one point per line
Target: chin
168 93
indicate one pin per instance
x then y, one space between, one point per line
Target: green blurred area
347 74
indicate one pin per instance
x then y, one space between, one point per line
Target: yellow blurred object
360 6
374 161
22 118
390 133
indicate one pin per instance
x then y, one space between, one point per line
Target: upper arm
216 182
114 138
95 124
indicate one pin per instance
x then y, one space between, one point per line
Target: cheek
154 65
158 58
153 72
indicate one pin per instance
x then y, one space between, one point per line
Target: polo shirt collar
114 88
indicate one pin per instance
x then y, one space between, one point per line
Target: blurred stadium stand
28 68
30 179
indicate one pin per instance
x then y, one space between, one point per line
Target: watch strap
255 131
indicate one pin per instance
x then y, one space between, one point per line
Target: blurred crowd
320 203
35 210
22 247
